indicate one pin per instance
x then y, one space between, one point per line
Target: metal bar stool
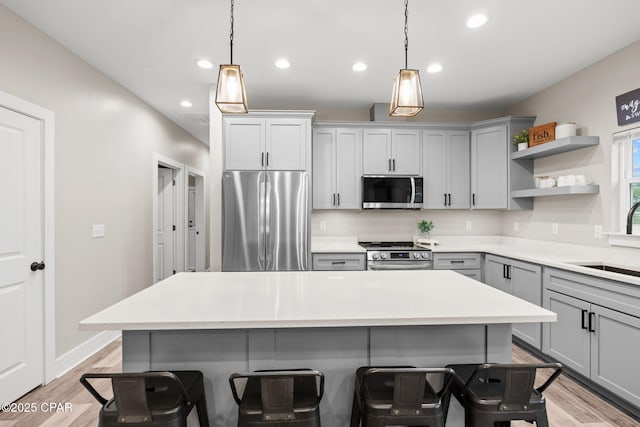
400 396
499 393
149 399
278 398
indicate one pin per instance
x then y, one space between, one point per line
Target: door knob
35 266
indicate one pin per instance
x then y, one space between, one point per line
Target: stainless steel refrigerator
266 221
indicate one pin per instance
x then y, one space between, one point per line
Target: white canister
565 129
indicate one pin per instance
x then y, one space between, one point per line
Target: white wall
587 98
105 139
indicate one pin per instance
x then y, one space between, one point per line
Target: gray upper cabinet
489 168
391 152
493 174
337 170
598 329
523 280
446 169
253 142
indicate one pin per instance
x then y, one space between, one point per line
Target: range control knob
416 255
383 255
374 255
425 255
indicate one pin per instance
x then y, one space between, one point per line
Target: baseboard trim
79 354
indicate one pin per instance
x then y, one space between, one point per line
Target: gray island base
335 322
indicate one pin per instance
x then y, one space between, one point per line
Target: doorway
26 247
196 227
168 215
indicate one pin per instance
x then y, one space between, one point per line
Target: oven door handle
413 266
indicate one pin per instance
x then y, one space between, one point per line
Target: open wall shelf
558 146
556 191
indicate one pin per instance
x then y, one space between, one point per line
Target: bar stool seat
400 396
278 398
150 399
500 393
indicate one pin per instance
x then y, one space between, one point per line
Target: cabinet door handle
262 160
338 199
334 199
473 199
338 262
504 271
267 158
457 261
445 199
394 165
389 165
584 319
508 272
592 322
449 194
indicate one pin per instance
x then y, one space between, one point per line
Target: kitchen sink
605 267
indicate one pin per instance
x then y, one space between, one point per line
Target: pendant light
406 100
231 96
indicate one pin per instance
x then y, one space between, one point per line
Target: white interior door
165 232
191 228
21 244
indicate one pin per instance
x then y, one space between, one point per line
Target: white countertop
552 254
341 244
314 299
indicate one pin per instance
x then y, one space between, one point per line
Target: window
629 176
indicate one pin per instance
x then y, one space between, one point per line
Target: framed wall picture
628 107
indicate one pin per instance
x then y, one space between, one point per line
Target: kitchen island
222 323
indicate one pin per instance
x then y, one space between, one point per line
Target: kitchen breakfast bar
335 322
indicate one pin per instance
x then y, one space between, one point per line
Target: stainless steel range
397 256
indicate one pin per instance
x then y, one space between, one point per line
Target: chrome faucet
630 217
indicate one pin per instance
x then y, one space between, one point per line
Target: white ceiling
151 46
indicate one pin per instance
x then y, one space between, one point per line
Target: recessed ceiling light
282 63
186 104
477 20
204 63
434 68
359 66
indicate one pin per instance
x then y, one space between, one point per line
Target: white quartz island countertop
312 299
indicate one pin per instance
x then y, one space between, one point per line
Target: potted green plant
521 140
425 227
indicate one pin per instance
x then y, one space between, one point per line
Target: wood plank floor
568 403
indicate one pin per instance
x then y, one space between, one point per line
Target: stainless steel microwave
391 192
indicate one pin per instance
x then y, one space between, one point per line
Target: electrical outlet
554 228
597 231
97 230
323 225
468 225
516 226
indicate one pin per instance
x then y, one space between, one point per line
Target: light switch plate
468 225
323 225
516 226
554 228
597 231
97 230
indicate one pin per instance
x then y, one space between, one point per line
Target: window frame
625 174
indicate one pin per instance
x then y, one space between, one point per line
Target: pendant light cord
231 34
406 32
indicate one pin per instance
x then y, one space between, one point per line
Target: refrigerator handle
261 225
267 220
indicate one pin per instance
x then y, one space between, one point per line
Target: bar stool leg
541 419
355 412
201 407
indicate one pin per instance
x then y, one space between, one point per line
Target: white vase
523 146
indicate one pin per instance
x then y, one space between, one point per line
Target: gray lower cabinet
339 261
598 329
466 263
523 280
